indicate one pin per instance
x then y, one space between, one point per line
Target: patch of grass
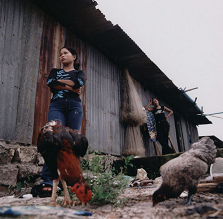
107 187
23 184
127 162
105 184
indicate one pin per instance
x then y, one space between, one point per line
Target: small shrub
21 185
106 188
15 189
127 163
105 185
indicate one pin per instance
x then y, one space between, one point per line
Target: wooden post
157 148
206 187
171 143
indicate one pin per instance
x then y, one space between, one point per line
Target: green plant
127 161
97 164
20 184
15 189
27 180
106 186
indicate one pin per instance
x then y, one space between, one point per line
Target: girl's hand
77 90
147 106
169 111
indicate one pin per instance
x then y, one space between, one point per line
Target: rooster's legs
54 192
67 200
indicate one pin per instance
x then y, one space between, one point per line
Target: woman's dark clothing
77 76
68 110
162 128
64 106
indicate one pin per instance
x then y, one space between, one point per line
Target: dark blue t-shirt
77 76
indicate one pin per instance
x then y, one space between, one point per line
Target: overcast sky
184 38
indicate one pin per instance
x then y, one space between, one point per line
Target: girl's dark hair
73 52
154 98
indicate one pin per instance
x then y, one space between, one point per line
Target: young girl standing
65 105
162 125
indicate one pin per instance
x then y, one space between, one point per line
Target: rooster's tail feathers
80 145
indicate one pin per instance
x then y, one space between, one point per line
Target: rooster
61 147
185 171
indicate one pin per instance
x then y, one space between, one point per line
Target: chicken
61 147
184 172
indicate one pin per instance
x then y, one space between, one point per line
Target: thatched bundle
132 115
132 112
133 142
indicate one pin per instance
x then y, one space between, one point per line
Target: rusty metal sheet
51 42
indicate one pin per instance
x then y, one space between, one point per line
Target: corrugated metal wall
104 129
30 41
185 134
146 95
189 130
20 35
51 42
193 132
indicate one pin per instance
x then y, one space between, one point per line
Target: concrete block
28 169
8 174
26 155
6 154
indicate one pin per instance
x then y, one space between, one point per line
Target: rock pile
18 162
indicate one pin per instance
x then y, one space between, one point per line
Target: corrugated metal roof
87 22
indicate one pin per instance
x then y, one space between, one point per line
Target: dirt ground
139 205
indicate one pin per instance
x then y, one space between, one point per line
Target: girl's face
66 57
155 102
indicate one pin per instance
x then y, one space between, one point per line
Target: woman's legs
46 175
74 114
56 112
70 113
163 129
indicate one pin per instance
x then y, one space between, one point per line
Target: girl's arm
67 82
67 87
79 80
75 83
52 81
170 112
61 84
147 106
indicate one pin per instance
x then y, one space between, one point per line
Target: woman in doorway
162 125
65 105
